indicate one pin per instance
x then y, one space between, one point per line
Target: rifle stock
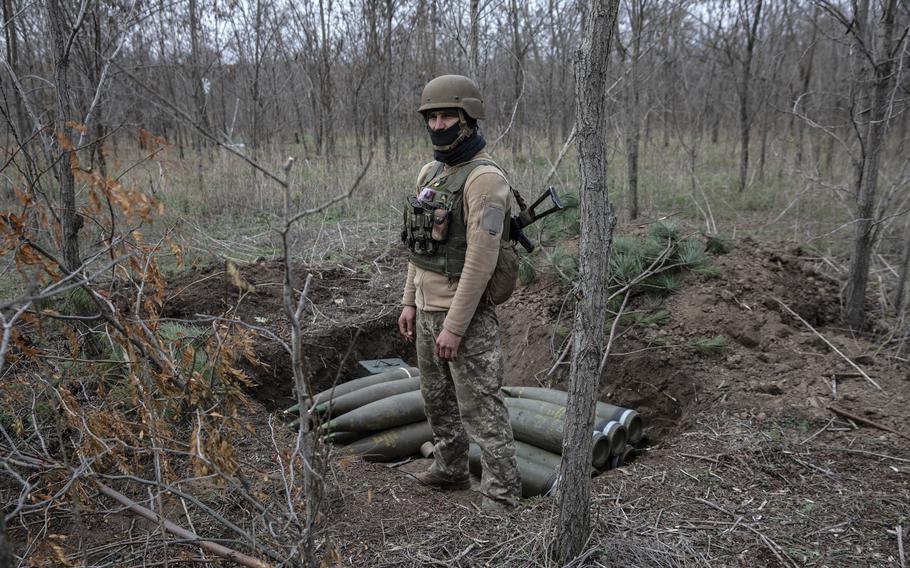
529 215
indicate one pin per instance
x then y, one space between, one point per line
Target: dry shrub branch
108 408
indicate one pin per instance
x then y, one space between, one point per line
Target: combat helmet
452 91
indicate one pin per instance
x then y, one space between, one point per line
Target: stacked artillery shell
342 438
356 384
546 433
381 418
534 454
358 392
363 396
612 430
536 479
627 456
629 418
392 444
389 412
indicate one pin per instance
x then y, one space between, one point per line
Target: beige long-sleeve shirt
485 188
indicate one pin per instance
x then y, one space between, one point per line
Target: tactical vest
444 256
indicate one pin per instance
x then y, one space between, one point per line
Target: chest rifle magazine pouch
417 233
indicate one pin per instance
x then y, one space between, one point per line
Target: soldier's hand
447 345
407 321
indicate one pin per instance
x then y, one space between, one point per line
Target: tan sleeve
486 196
410 290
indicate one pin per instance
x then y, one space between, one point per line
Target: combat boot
439 481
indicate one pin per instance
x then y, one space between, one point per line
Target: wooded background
273 72
805 94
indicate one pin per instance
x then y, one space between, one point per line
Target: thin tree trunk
806 76
12 56
763 148
196 74
6 552
864 239
434 43
632 148
901 291
386 114
99 130
573 497
474 46
517 72
70 220
745 120
633 126
325 85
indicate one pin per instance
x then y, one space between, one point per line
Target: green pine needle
625 267
655 319
665 230
716 244
565 263
709 271
663 284
658 318
527 274
712 345
569 201
623 244
690 253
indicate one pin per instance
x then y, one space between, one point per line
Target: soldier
454 228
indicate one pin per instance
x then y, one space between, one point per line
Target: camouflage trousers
463 401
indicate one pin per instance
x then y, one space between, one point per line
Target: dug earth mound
751 457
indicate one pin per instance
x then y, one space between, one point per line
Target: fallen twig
829 344
822 429
173 528
866 421
868 453
603 360
900 544
775 548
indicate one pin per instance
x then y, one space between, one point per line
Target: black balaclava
458 142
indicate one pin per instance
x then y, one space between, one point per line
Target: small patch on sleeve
492 219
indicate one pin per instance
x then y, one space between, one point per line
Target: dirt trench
351 315
658 370
353 309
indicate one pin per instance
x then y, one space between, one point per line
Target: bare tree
314 30
900 292
637 9
747 20
64 34
474 45
11 31
806 68
384 114
876 45
573 497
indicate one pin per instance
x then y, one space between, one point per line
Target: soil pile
351 315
